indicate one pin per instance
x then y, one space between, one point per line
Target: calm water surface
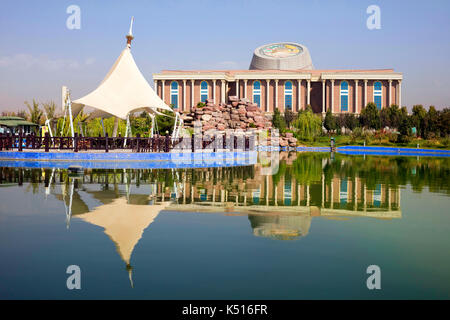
306 228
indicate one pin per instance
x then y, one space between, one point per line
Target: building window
288 95
377 94
257 93
344 96
203 91
174 94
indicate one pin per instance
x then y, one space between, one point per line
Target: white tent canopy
123 90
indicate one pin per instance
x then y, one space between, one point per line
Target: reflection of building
283 227
282 76
277 206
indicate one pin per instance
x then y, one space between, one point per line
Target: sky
39 54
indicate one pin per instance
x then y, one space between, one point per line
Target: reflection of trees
393 171
305 169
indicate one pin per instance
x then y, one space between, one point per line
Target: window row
288 92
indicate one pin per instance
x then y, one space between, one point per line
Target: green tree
390 117
431 123
289 116
278 121
34 112
418 119
370 116
308 125
329 122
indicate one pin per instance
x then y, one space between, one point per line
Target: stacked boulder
237 114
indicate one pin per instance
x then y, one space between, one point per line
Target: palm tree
50 108
35 114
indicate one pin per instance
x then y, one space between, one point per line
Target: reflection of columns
307 195
399 196
267 190
323 190
332 96
276 195
332 194
323 96
390 93
356 96
214 196
214 90
400 93
276 93
365 93
365 197
237 88
355 195
299 95
222 91
184 192
308 96
298 194
192 93
163 89
267 94
184 95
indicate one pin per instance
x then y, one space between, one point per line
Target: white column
308 100
223 90
276 93
267 94
155 87
237 88
356 96
184 94
390 93
192 92
323 96
365 93
332 96
162 91
299 95
400 93
245 88
214 91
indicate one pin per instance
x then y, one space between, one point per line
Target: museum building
282 75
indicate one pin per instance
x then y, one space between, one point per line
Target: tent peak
130 34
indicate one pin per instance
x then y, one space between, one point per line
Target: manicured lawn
343 140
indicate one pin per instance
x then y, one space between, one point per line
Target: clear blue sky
38 54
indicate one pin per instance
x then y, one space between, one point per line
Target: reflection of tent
124 224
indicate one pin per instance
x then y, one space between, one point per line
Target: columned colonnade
320 90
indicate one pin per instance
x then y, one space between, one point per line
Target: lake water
305 228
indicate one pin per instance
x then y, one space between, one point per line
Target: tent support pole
116 126
153 124
69 103
127 128
103 127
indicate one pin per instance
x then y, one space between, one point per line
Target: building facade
293 85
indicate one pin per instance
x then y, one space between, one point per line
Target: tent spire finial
130 34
